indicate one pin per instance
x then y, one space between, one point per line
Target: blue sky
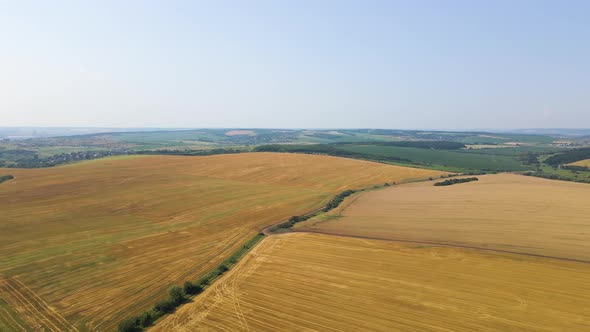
293 64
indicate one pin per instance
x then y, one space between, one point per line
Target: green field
515 151
450 160
27 152
564 174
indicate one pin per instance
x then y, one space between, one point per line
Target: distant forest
327 149
568 157
435 145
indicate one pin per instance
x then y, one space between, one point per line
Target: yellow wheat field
504 211
86 245
313 282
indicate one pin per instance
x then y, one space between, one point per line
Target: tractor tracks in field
227 286
38 314
442 244
267 231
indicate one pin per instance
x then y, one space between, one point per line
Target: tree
129 325
164 306
145 319
191 289
176 295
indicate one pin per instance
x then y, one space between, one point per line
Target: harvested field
313 282
504 212
582 163
90 244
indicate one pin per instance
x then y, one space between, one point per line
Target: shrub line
450 182
5 178
553 176
180 295
332 204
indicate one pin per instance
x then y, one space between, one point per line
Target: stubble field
86 245
583 163
500 212
316 282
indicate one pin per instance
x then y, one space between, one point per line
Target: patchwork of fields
86 245
504 212
317 282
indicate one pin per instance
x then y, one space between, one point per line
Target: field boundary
330 150
180 296
402 240
409 163
267 231
442 244
335 201
554 176
150 316
190 290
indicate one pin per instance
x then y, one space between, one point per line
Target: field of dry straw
316 282
502 212
583 163
86 245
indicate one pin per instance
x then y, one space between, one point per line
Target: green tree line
325 150
568 157
5 178
178 295
449 182
435 145
332 204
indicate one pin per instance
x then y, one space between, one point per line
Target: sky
295 64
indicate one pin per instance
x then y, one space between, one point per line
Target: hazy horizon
422 65
295 128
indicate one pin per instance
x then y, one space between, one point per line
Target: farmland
46 143
86 245
582 163
504 212
317 282
440 155
563 173
495 160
